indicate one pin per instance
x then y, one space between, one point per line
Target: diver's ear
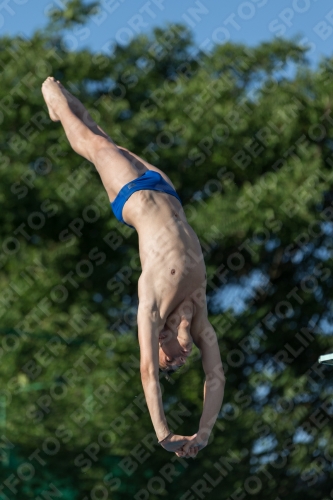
163 335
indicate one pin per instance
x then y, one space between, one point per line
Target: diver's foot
54 98
73 102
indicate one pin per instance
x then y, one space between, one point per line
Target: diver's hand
174 442
193 445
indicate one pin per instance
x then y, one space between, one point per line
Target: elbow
213 378
148 373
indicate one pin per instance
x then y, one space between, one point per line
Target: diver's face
171 353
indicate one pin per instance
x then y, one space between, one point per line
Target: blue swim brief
150 180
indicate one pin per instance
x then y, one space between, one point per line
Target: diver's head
172 352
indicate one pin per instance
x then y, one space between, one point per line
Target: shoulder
146 292
150 298
199 323
205 338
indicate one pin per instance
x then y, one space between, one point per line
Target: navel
173 271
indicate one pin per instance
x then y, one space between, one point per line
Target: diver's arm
215 379
149 326
205 339
148 330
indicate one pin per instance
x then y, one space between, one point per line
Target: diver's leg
81 112
138 162
113 167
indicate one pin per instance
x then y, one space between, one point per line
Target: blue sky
212 21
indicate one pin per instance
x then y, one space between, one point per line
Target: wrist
165 438
204 432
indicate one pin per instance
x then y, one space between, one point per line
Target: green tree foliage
245 134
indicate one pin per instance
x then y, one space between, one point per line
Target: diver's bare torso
173 268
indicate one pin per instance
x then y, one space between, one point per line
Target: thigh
115 168
142 164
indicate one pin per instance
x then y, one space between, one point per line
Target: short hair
167 373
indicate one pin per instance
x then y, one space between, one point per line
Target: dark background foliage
249 150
